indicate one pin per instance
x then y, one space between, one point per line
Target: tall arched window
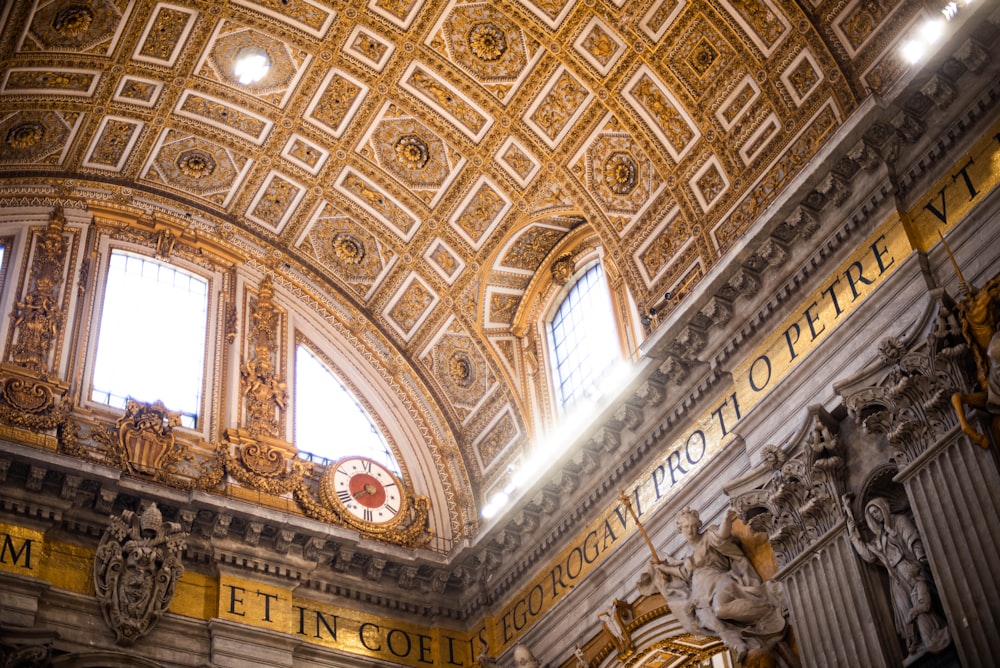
583 337
329 421
151 343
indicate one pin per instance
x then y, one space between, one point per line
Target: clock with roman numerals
367 491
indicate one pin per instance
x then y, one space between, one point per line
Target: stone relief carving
22 647
714 590
136 569
615 621
911 405
797 499
895 544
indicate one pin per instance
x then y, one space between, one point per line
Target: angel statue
714 590
979 313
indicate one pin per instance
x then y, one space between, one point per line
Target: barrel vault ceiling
422 160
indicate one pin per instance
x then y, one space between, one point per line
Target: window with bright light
151 343
329 421
583 337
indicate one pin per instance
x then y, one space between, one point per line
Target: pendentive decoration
136 570
32 395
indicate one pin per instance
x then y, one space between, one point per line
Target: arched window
329 421
151 342
583 337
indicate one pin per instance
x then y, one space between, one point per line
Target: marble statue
714 590
896 545
523 658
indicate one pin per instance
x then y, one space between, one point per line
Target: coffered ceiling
423 160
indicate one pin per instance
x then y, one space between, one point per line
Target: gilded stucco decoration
461 370
36 137
417 162
488 46
409 151
142 443
530 247
347 250
618 175
196 167
32 392
231 41
86 27
263 386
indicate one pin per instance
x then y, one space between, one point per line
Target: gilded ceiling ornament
621 173
73 20
136 569
196 164
24 136
562 269
461 369
669 120
348 248
412 151
487 41
703 55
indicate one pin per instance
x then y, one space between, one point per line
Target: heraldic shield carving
136 571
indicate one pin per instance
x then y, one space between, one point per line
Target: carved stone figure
523 658
136 571
615 621
715 590
896 545
979 312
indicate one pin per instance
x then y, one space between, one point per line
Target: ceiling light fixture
252 65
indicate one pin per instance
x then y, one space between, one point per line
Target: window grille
583 337
151 342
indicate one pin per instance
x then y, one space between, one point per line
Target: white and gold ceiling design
422 161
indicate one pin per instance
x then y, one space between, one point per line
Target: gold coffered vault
409 189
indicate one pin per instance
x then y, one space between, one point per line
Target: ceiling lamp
252 65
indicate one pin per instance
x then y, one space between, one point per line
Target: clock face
367 490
